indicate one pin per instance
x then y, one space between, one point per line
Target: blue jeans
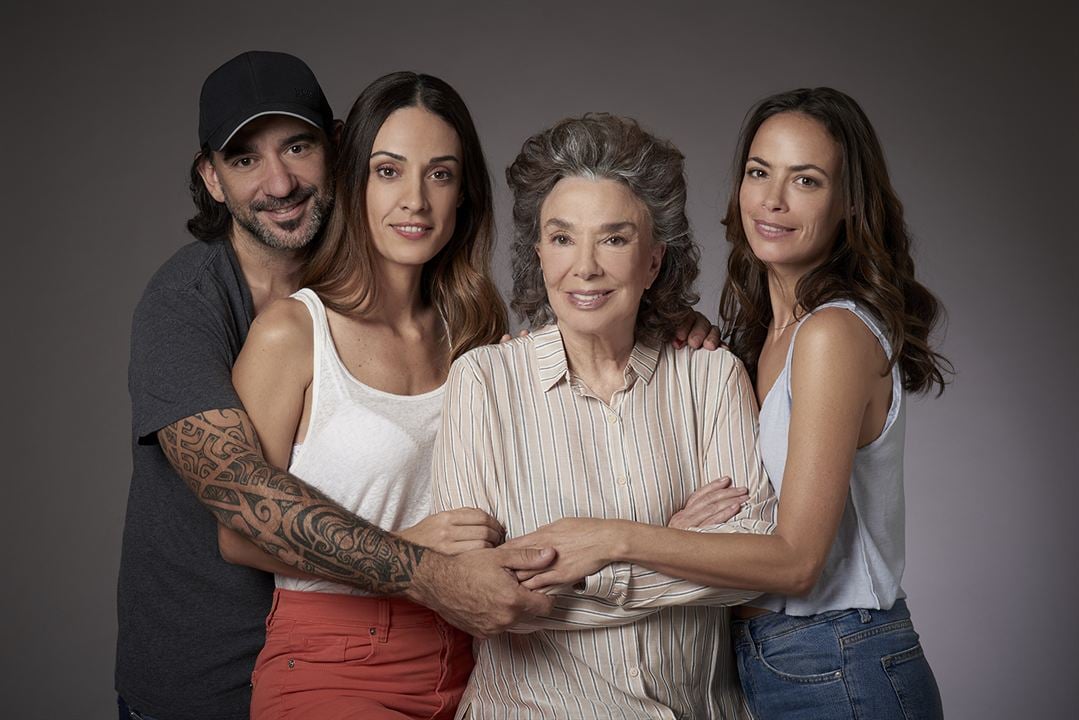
838 664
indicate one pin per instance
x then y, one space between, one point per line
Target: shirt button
612 418
621 480
634 672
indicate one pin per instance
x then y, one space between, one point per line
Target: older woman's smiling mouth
588 300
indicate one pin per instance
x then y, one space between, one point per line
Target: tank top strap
318 316
876 328
322 350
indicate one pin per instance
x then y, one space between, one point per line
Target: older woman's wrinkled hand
714 503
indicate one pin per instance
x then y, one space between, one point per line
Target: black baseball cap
259 83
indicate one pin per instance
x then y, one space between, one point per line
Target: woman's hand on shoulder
452 532
697 332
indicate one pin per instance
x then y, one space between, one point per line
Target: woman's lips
589 300
771 230
411 231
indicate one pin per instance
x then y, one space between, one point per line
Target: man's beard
289 235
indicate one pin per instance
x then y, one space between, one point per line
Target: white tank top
367 449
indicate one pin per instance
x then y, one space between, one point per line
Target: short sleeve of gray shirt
186 333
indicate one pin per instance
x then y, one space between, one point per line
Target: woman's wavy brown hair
870 261
457 280
599 145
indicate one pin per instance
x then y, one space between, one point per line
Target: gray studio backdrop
976 109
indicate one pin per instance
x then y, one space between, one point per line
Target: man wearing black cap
191 625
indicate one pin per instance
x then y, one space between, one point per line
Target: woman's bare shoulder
285 325
835 339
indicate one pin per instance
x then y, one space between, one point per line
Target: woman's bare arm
272 375
836 370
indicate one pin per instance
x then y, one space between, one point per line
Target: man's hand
478 591
697 332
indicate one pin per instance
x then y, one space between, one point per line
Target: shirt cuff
598 585
608 584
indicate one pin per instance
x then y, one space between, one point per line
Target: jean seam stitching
889 662
880 629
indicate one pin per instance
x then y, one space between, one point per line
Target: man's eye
297 149
244 162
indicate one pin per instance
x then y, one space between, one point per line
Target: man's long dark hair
212 218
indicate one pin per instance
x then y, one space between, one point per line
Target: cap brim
226 132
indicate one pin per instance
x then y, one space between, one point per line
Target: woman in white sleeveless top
344 385
819 254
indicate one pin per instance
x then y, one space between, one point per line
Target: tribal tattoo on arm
218 455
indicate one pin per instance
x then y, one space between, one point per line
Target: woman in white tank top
344 384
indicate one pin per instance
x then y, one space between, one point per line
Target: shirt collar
552 365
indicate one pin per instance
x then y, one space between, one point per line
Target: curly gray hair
600 145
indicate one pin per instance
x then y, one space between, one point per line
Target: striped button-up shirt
523 439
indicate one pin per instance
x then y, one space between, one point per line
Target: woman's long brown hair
870 261
457 281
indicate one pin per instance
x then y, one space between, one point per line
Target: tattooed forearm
218 456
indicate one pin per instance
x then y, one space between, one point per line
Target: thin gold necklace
783 327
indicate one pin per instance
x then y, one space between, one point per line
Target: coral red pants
334 657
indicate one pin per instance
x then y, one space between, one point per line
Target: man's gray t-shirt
190 624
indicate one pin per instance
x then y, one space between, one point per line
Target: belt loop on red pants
383 620
273 608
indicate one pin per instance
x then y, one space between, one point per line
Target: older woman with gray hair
594 426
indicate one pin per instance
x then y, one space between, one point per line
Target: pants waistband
353 610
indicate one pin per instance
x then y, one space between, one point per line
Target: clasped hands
583 546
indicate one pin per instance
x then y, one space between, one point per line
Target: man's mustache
296 196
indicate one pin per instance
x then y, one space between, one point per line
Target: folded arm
838 368
596 556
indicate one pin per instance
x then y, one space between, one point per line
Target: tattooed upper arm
201 447
217 454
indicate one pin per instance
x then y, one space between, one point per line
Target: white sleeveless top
865 564
367 449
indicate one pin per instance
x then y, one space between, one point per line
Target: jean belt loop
748 635
383 620
273 607
865 616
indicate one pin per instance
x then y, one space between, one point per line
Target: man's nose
278 180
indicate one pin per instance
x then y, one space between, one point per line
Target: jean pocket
914 685
323 663
808 654
318 649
